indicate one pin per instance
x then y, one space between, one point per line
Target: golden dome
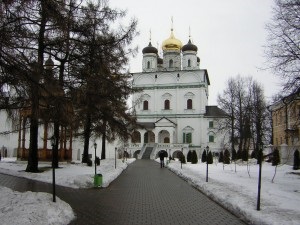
171 43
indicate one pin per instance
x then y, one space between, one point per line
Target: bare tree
283 48
243 100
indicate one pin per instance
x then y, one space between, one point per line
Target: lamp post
115 157
181 157
95 146
53 144
207 148
260 158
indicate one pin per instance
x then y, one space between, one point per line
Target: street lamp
181 157
53 144
260 158
207 149
115 157
95 146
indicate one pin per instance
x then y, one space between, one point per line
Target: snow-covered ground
29 208
237 191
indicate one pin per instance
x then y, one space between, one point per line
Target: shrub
234 155
210 158
182 159
226 157
221 157
296 160
253 154
194 157
189 156
239 154
204 156
245 155
97 160
89 162
276 157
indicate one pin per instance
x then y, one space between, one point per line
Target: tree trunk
103 152
87 133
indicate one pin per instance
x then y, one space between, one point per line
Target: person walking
162 159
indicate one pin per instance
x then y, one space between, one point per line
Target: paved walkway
143 194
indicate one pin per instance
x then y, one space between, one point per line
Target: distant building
172 105
286 125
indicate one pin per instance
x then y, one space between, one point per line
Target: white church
172 105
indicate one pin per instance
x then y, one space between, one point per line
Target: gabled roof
164 118
214 111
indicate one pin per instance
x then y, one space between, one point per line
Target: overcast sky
229 34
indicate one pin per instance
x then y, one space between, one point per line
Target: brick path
143 194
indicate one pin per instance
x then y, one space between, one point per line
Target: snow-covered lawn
28 208
238 192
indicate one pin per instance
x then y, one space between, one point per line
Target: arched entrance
149 137
135 154
164 136
177 154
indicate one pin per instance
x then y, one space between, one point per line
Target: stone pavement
143 194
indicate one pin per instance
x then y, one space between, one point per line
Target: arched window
189 104
189 63
171 63
148 65
145 105
167 104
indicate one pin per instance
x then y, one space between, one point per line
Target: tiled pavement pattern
143 194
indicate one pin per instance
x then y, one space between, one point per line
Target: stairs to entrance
147 153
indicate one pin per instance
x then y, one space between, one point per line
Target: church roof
189 47
171 43
149 49
214 111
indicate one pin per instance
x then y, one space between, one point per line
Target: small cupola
150 49
189 47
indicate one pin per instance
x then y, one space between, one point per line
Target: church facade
171 104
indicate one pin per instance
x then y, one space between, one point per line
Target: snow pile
32 208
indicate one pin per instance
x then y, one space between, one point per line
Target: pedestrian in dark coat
162 157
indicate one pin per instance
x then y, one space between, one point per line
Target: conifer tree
221 157
189 156
226 157
245 156
194 157
204 156
210 159
182 158
234 155
276 157
253 154
296 160
239 154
